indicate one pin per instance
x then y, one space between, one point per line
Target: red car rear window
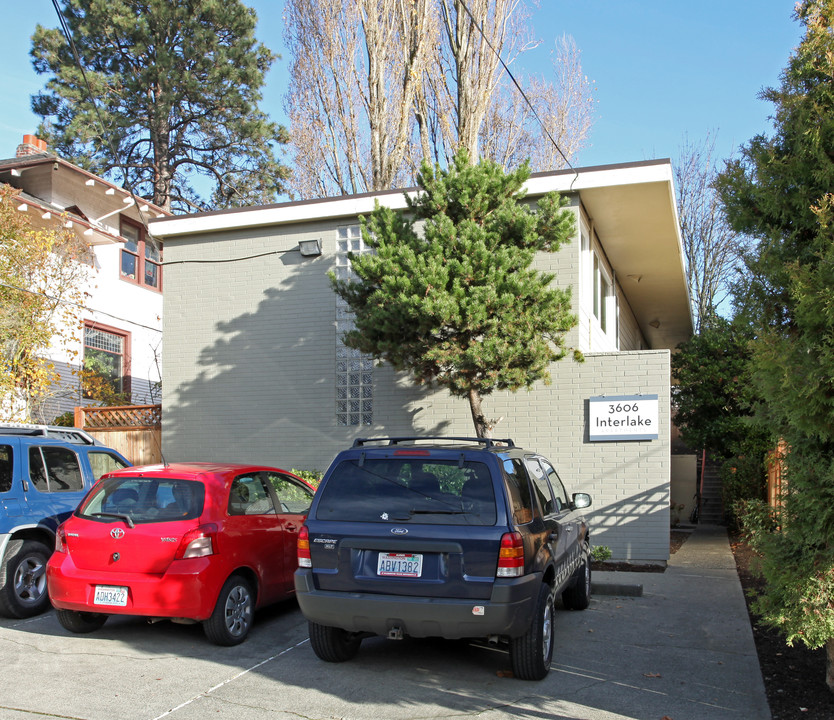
145 500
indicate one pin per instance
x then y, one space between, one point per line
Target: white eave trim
348 206
600 177
352 205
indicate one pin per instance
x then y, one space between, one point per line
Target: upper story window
599 294
141 260
602 293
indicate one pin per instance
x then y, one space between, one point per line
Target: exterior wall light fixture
309 248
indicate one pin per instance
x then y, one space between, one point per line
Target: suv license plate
110 595
399 565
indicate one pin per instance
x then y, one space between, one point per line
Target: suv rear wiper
119 516
415 511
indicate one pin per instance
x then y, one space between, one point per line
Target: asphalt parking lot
682 650
134 671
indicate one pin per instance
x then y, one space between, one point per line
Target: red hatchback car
189 542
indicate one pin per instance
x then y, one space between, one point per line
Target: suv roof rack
488 442
73 435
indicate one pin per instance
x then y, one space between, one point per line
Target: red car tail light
303 544
60 540
511 556
199 542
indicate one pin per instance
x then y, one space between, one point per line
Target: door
254 534
142 520
556 515
293 501
55 484
568 516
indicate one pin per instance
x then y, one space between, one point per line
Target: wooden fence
776 483
134 430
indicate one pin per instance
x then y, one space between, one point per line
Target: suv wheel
531 653
23 572
231 620
333 644
80 622
578 596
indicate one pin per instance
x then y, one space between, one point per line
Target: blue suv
45 471
442 537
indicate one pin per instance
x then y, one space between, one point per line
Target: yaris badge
117 533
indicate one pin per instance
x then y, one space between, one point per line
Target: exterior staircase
712 505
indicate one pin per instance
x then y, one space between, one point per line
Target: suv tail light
199 542
511 556
303 544
60 539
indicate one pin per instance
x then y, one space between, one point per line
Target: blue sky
663 70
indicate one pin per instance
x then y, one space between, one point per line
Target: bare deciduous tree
713 251
478 35
355 69
511 132
378 85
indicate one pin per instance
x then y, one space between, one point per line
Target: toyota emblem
117 533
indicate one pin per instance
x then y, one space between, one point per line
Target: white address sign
622 417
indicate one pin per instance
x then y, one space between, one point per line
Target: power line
228 260
518 87
78 305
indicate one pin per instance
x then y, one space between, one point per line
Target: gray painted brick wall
249 368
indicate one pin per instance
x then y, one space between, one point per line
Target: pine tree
450 294
780 193
176 85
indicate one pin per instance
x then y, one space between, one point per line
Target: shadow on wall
264 390
636 527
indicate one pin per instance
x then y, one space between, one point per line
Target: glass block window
354 371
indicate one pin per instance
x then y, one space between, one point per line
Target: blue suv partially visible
442 537
45 471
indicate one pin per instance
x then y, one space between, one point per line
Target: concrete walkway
682 650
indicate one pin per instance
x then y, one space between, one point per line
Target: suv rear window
145 500
433 492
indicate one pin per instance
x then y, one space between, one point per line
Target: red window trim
126 354
140 259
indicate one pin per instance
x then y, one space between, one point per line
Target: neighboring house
254 368
122 318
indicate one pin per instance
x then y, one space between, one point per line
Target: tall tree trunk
483 428
162 176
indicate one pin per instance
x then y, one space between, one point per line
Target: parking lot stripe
231 679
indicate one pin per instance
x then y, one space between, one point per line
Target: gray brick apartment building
254 369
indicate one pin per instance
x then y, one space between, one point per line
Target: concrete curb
617 589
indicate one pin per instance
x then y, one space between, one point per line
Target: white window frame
602 291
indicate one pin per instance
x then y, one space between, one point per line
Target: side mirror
581 500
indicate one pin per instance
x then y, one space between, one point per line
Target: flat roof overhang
634 212
632 208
